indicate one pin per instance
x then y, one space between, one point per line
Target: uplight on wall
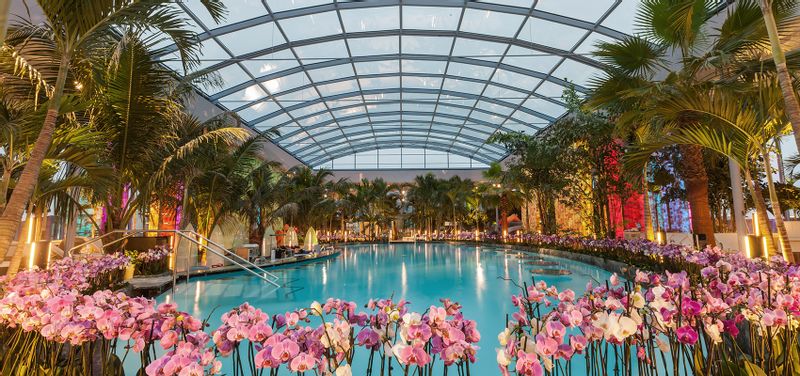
661 237
756 245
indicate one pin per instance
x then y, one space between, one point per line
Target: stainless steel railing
195 239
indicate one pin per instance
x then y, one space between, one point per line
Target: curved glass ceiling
401 83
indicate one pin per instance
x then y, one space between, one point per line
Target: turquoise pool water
478 277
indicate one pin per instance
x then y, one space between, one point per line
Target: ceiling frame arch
484 113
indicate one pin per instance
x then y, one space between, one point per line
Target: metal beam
557 18
393 131
398 56
383 144
387 113
540 115
468 149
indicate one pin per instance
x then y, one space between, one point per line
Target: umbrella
311 239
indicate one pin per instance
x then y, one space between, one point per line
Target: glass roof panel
495 108
425 45
349 111
431 18
521 81
328 90
331 73
479 49
418 107
282 5
311 26
576 72
379 82
503 94
470 71
271 63
424 66
422 82
526 118
621 18
581 9
377 67
463 86
259 109
371 19
231 75
544 106
551 90
284 83
491 23
547 33
315 53
241 41
434 81
374 46
244 96
244 10
530 59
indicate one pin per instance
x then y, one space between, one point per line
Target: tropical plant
425 197
74 34
307 189
786 11
737 124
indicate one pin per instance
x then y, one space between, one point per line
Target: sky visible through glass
385 84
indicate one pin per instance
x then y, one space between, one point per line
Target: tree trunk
5 8
693 173
648 219
12 213
784 77
4 183
786 247
72 224
761 209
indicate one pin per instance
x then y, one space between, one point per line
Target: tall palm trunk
5 8
648 219
784 77
693 172
6 180
761 210
12 213
786 247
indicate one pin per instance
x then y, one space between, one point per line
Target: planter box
141 243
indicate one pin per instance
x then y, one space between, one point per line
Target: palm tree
219 191
74 162
733 122
425 198
307 189
787 11
665 26
457 192
181 155
74 34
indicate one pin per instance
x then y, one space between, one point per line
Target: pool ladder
196 239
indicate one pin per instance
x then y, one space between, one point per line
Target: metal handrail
249 270
209 241
266 276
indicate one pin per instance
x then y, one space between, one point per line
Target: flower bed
721 315
153 261
639 253
740 317
56 328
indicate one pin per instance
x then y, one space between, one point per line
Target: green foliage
573 161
